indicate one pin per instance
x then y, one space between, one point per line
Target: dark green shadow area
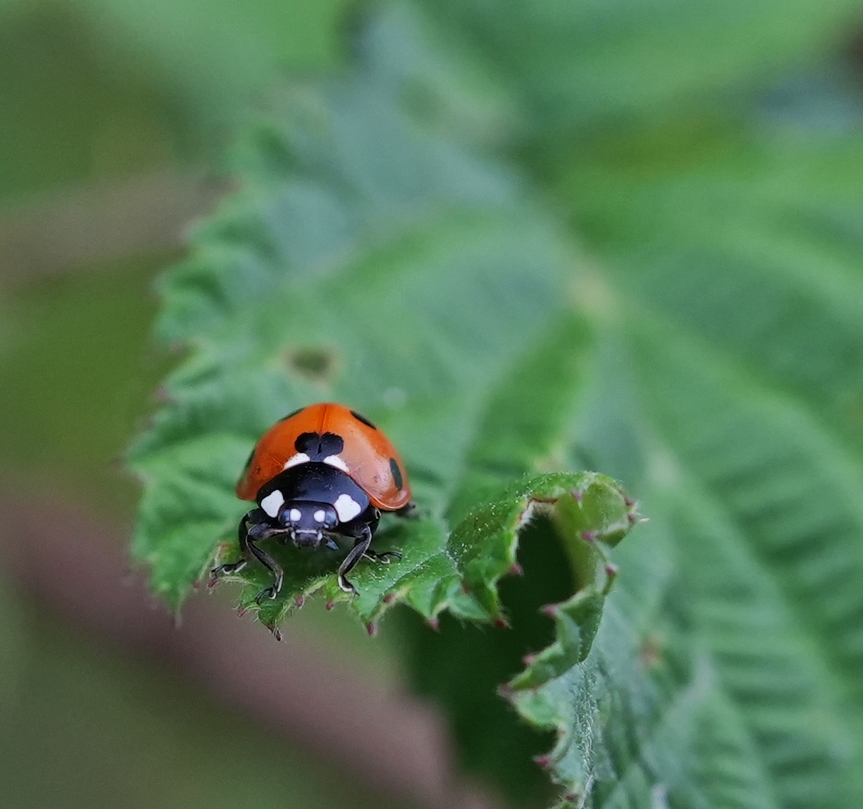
461 667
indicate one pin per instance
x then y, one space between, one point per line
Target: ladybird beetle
322 471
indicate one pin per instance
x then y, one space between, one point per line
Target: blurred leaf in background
575 66
97 89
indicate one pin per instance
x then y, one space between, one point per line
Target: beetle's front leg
242 535
268 562
363 540
253 528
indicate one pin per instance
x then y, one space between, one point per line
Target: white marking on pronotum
295 514
338 463
272 503
296 460
347 508
319 515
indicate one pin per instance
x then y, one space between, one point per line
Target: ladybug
321 472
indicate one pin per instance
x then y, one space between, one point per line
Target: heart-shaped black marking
318 447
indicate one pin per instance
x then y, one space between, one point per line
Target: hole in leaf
493 741
547 579
313 364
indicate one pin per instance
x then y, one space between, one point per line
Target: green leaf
746 344
375 261
416 312
706 353
412 313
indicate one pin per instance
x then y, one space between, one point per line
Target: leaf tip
544 762
505 690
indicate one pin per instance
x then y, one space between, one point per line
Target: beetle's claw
346 586
383 556
267 593
225 570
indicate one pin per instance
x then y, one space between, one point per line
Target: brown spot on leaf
652 652
314 364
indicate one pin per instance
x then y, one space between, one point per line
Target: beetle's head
307 522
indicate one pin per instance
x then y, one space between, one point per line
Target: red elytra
366 454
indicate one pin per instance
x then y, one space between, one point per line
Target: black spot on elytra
318 447
292 414
363 419
397 473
